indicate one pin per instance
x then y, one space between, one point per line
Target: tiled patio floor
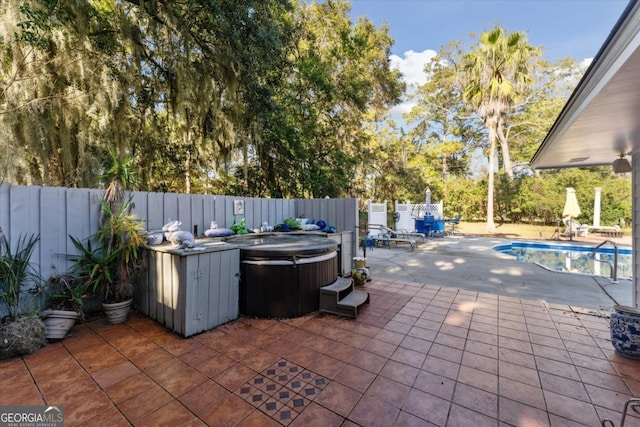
417 355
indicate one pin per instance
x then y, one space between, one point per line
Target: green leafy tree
392 175
443 131
339 79
175 82
537 108
49 87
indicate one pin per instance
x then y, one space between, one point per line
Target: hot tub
281 275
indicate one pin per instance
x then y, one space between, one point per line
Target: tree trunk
187 167
445 168
506 158
492 155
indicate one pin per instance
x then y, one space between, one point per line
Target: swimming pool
571 258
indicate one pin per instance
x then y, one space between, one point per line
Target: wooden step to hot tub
342 298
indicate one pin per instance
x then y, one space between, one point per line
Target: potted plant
109 268
21 330
64 299
292 223
239 227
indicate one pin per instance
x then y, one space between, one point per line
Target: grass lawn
516 231
519 231
534 232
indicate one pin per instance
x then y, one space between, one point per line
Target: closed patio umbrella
571 208
427 200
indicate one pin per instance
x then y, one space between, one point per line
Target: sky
564 28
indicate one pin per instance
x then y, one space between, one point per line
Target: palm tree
120 175
493 76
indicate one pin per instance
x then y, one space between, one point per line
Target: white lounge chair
574 228
612 231
384 235
404 233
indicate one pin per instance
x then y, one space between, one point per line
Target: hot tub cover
282 245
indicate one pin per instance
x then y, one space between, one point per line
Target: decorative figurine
175 235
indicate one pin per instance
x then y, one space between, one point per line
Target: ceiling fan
621 164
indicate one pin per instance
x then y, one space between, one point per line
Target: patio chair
609 231
574 228
386 236
403 233
631 406
452 222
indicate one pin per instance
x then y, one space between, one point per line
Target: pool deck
456 334
471 263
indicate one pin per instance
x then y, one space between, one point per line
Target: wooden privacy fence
55 213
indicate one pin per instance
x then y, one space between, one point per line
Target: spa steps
341 298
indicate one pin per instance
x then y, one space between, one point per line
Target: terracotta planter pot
117 312
625 331
57 323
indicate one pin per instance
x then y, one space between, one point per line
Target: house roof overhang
601 119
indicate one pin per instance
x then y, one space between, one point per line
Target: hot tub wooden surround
194 290
191 290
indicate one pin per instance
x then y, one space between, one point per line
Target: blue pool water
571 258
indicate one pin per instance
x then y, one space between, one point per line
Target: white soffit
601 119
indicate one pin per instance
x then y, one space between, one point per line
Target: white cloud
411 65
403 108
584 64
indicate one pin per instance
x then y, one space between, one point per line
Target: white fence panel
264 211
155 211
434 209
95 207
79 225
229 216
184 211
377 213
140 207
25 209
219 207
252 212
405 221
339 213
281 212
248 212
170 207
53 231
208 212
198 224
4 209
272 208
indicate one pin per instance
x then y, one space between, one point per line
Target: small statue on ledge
175 235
